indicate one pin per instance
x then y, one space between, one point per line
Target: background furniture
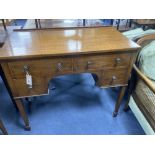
144 23
44 54
128 22
6 22
4 25
142 89
38 23
4 131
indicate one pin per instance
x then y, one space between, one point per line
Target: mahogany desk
44 54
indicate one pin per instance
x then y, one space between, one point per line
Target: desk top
40 43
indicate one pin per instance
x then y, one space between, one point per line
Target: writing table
30 59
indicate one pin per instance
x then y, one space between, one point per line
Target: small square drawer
40 67
100 61
112 77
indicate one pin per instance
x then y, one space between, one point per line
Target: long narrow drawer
100 61
112 77
41 67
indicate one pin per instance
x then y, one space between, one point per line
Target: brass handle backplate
118 60
114 78
89 63
59 66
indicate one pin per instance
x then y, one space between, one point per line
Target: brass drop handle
26 69
89 63
114 78
118 60
59 66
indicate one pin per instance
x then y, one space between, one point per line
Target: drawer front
41 67
112 77
39 87
98 62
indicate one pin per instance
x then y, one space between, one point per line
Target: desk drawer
41 67
98 62
39 87
112 77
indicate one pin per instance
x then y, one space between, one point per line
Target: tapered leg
118 24
84 22
95 77
4 25
23 113
3 128
117 105
36 22
130 23
39 23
